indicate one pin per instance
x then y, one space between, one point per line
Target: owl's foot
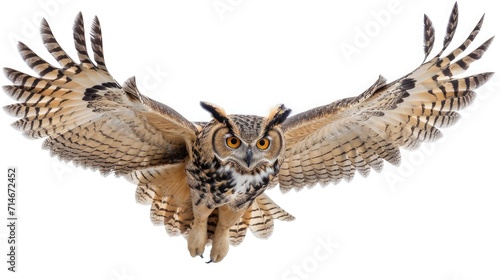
220 244
197 239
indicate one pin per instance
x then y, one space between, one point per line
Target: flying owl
207 180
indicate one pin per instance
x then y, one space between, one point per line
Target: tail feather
261 222
239 230
259 218
166 190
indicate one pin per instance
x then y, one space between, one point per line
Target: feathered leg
220 244
197 238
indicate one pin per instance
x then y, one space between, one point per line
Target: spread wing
331 142
88 118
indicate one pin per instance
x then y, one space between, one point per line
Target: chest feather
243 183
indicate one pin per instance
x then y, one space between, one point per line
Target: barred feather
86 117
165 189
329 143
259 217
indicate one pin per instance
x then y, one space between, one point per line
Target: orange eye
233 142
263 143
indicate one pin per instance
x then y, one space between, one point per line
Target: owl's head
246 142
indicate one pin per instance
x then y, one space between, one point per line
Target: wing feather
331 142
87 117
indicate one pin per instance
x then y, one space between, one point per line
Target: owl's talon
220 246
196 251
197 239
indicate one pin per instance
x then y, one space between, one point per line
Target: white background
437 216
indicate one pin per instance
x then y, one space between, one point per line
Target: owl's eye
263 143
233 142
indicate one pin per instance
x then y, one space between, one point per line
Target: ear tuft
217 113
277 116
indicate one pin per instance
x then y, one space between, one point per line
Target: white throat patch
244 181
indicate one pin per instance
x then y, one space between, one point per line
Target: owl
207 180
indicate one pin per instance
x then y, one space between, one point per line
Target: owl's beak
248 157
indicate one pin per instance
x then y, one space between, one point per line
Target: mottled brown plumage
207 180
